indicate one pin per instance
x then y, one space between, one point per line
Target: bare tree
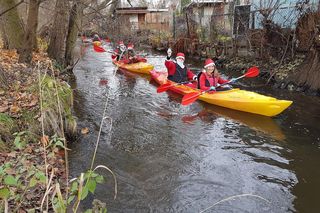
308 35
29 40
58 34
12 30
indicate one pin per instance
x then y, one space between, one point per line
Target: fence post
174 25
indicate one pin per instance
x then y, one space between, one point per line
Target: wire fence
242 30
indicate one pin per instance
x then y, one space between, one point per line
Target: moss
6 120
29 120
7 127
51 107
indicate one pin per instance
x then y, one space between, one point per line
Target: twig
232 197
6 205
48 190
42 127
62 130
100 129
11 8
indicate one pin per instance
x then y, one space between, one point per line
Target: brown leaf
84 131
12 154
28 150
14 109
10 171
3 108
33 102
45 140
29 196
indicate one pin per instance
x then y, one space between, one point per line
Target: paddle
193 96
165 87
98 49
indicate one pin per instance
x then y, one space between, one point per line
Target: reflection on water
172 158
256 122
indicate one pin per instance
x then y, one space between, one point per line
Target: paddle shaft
167 86
191 97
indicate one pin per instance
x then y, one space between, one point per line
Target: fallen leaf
45 140
10 171
33 102
3 108
14 109
103 82
84 131
12 154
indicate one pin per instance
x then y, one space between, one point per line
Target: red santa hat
130 46
120 43
209 62
180 55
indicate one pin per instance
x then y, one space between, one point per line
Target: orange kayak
139 67
236 99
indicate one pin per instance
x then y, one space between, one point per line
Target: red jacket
206 81
171 66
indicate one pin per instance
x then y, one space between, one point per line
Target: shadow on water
173 158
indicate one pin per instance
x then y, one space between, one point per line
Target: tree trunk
57 45
12 26
309 73
3 80
4 36
75 15
31 30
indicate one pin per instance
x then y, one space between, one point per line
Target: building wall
157 21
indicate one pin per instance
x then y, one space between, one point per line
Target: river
173 158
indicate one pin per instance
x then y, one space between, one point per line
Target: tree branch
7 10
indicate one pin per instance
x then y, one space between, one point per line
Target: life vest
207 83
180 75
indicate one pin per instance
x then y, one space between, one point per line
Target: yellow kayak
236 99
247 101
139 67
96 43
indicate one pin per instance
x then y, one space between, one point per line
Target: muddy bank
35 114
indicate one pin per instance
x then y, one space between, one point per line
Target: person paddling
96 37
209 78
178 71
118 52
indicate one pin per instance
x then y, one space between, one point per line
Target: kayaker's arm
222 81
202 82
171 67
190 75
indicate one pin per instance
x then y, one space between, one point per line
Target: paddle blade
252 72
164 87
190 98
98 49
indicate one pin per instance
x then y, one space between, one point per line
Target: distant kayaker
209 78
132 57
178 71
96 37
119 51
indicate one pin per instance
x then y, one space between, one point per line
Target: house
140 18
209 13
133 16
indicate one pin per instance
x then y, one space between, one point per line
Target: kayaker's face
180 60
211 69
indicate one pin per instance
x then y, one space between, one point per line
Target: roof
138 10
203 2
158 10
131 10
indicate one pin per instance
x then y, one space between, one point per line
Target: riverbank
35 114
277 72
